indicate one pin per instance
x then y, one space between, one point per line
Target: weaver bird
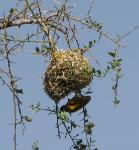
75 104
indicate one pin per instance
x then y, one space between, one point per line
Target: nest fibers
67 72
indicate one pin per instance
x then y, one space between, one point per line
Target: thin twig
57 123
15 125
77 19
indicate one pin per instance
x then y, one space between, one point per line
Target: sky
116 128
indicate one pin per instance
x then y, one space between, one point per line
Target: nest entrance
67 72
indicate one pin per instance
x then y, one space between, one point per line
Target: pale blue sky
115 128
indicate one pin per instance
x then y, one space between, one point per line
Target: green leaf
91 125
12 10
116 102
45 48
88 131
35 108
76 147
86 120
38 104
79 142
19 91
99 72
28 118
73 125
63 116
112 54
90 44
35 146
108 67
37 49
94 70
119 60
82 146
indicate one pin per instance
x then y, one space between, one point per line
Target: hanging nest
67 72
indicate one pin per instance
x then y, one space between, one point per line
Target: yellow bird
75 104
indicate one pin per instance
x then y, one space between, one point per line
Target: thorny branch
52 25
52 21
16 101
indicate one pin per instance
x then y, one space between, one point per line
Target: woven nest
67 72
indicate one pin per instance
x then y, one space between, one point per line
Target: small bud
28 118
